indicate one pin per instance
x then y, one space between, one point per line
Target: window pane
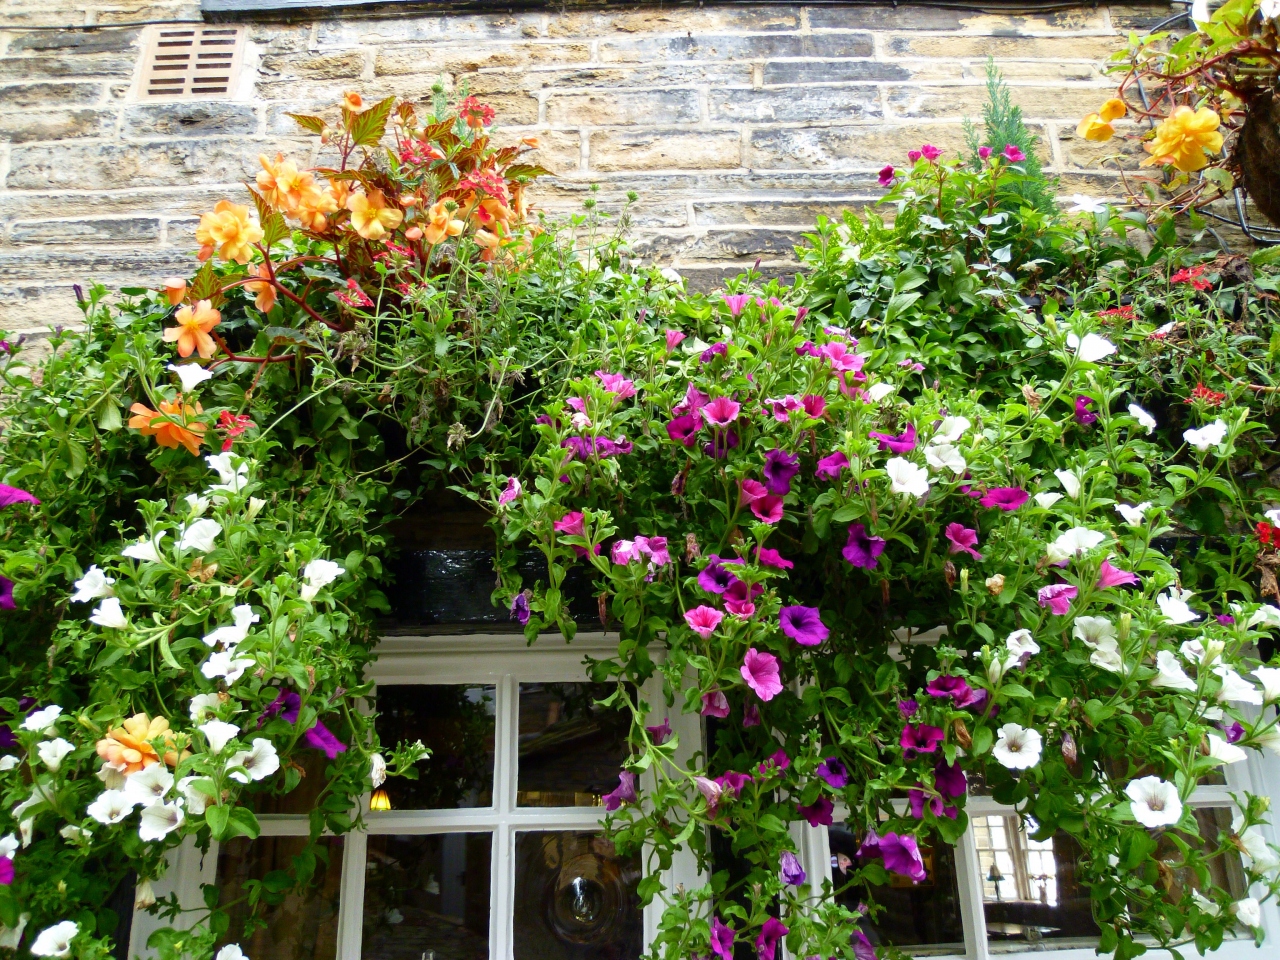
1029 889
1225 871
302 798
571 750
427 896
456 723
575 899
301 924
923 917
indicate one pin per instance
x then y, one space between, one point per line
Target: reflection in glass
456 723
575 898
302 798
427 895
1030 893
922 917
1225 871
571 750
300 924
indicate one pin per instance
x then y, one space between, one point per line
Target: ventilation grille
191 63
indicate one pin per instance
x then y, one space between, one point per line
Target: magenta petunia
955 688
571 524
900 853
715 704
11 495
733 783
721 411
751 716
6 871
617 384
904 442
6 594
694 400
762 673
767 942
322 738
1006 498
768 508
1109 576
862 947
803 625
818 813
908 708
777 762
930 152
654 549
703 620
749 491
861 550
829 467
510 492
984 153
1082 414
807 349
920 738
673 339
739 600
768 557
1057 597
841 358
779 468
684 429
1013 154
886 175
659 734
914 155
624 792
721 939
917 799
815 405
833 770
737 302
950 779
962 540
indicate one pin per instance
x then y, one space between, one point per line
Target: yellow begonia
371 216
441 223
130 746
1184 138
229 231
314 207
1097 126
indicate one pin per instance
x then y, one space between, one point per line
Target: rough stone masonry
737 124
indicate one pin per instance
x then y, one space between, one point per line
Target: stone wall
736 124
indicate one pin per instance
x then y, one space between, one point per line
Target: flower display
1185 138
173 425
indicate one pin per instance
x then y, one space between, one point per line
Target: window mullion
351 896
969 880
506 761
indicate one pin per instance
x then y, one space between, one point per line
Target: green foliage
1002 124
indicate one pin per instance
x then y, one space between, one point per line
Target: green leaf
109 416
308 123
982 740
367 128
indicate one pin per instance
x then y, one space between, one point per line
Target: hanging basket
1258 154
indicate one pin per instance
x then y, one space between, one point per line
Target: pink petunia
1109 576
736 303
739 599
1006 498
1013 154
815 405
930 152
715 704
703 620
762 673
914 155
684 429
962 540
768 557
1057 597
829 467
984 153
767 942
841 358
11 495
768 508
571 524
617 384
673 339
510 492
721 411
904 442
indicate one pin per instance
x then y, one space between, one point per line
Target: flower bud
1126 621
255 506
963 737
691 549
995 584
144 896
1069 751
964 580
949 574
413 233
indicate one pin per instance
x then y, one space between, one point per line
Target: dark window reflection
575 899
1030 892
302 798
1225 871
571 751
427 896
456 723
297 924
923 917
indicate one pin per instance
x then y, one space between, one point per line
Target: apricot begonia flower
315 205
441 223
372 217
229 231
192 331
175 288
282 184
1184 138
131 745
173 426
353 101
264 292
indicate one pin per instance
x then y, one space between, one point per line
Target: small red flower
475 114
1120 313
1192 275
1210 398
233 424
1268 535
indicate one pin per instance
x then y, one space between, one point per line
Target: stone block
771 212
52 205
867 147
1013 71
1144 18
355 31
609 78
88 231
75 41
912 17
706 278
1003 48
201 118
745 18
27 127
612 150
339 65
25 308
967 100
796 104
465 58
559 151
831 71
644 214
17 96
736 47
118 265
68 65
1081 154
623 106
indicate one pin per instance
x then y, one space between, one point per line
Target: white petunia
200 534
1270 9
1145 420
191 375
377 770
231 951
1070 481
1076 542
112 806
1263 855
255 506
671 275
1248 911
112 775
159 820
149 784
109 614
1201 652
1269 677
74 834
878 391
1048 499
1093 630
1206 437
197 800
1134 515
1269 739
42 721
219 734
147 550
907 478
94 585
1205 904
233 472
1171 676
1020 643
8 846
1092 348
259 762
1267 615
1274 516
951 430
227 665
10 937
197 504
8 762
1001 661
1174 606
317 574
1018 747
1236 687
1225 752
203 705
1083 203
944 456
1106 655
55 941
244 618
1155 802
52 752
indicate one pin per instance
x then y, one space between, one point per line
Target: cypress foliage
1003 124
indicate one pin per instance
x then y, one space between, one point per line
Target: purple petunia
684 429
904 442
287 704
1082 414
920 738
721 939
767 942
961 694
751 716
6 594
803 625
861 550
950 779
660 734
624 792
829 467
790 869
714 578
1006 498
832 770
6 872
321 738
779 468
11 495
1057 597
818 813
900 853
520 608
908 708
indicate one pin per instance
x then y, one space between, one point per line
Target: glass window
298 924
923 917
302 798
571 750
575 898
427 896
456 722
1226 870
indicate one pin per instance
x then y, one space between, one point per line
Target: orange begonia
175 288
173 426
372 217
192 331
1184 138
282 184
130 747
229 231
353 101
315 205
264 292
441 223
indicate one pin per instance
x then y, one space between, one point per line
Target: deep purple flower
725 440
832 770
908 708
721 939
779 468
862 948
321 738
660 734
6 871
1109 576
1226 619
684 429
520 608
900 853
768 557
1057 597
961 694
737 302
861 550
612 448
579 447
1006 498
818 813
713 351
790 869
714 578
920 738
624 792
829 467
6 594
917 800
1235 732
886 175
286 704
1083 416
11 495
904 442
733 782
962 540
751 716
767 943
950 779
803 625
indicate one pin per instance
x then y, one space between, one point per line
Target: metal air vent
194 62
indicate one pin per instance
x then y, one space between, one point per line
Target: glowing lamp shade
379 800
